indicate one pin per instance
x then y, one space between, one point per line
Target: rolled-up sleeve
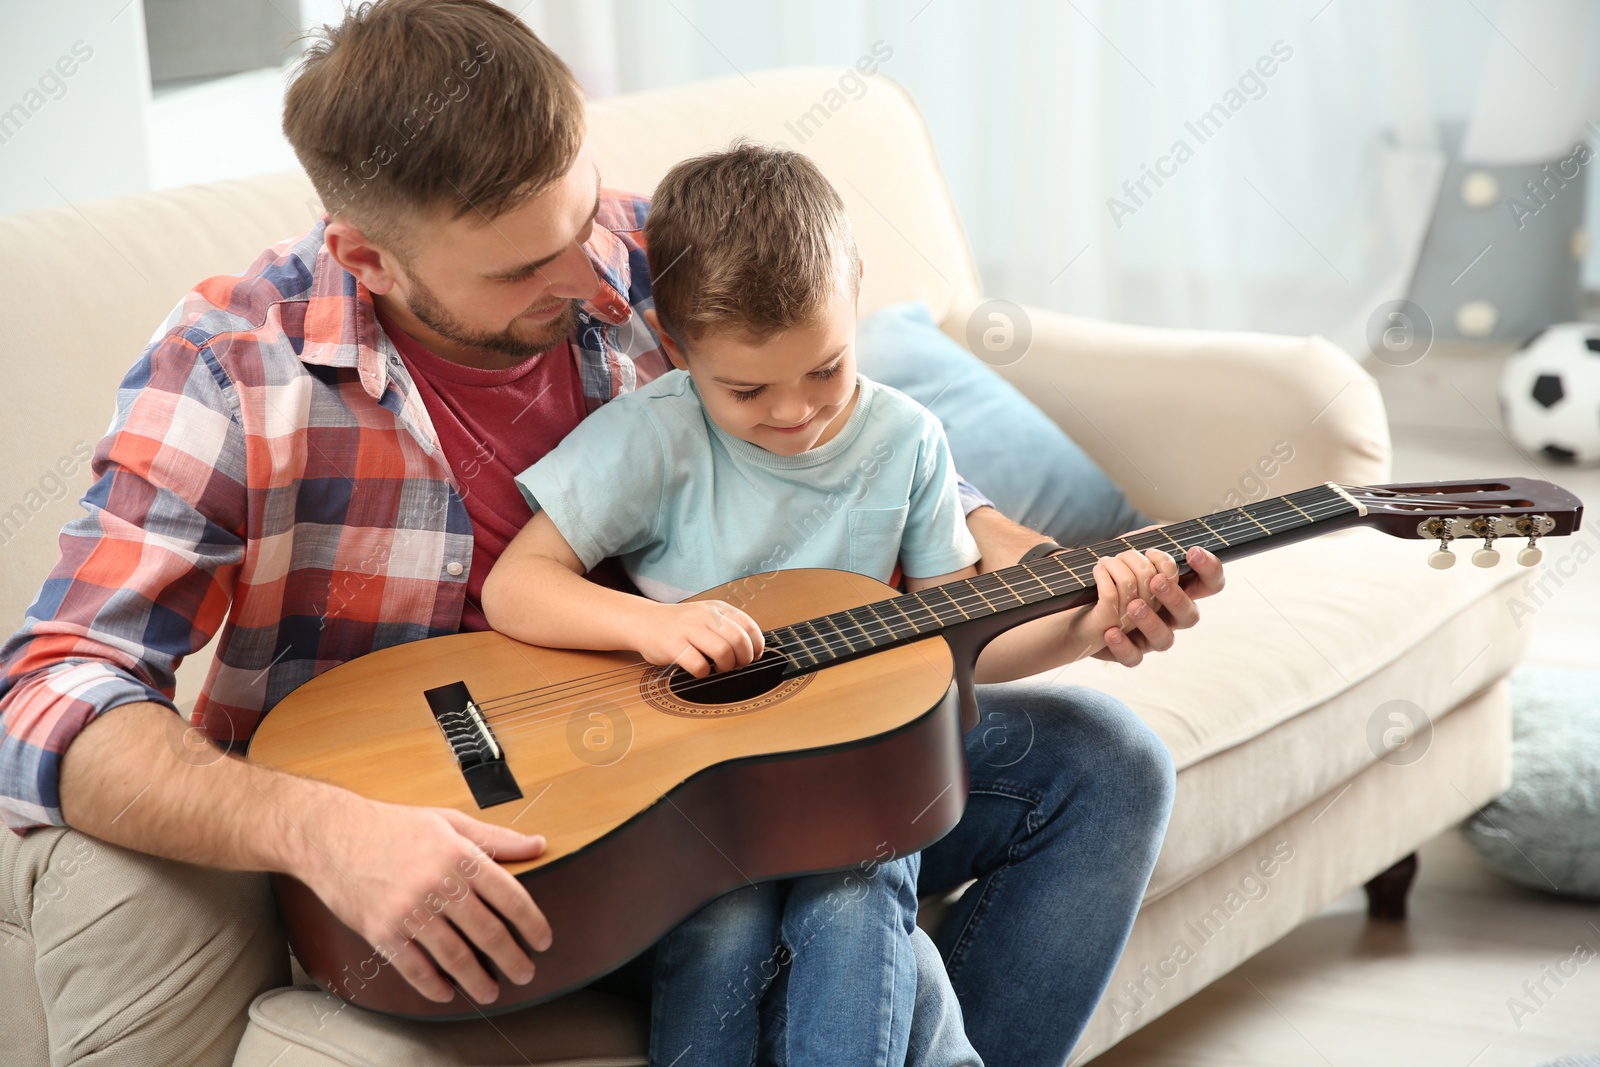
971 499
142 579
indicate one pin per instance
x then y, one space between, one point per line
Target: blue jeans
844 939
1068 803
1067 806
938 1033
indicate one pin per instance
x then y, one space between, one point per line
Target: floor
1434 991
1439 989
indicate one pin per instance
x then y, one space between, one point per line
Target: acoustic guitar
658 791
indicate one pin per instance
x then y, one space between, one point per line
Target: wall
74 101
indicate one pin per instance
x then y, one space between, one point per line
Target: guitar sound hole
730 687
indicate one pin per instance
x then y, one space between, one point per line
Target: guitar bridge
472 741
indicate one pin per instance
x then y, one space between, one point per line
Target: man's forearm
137 776
1001 541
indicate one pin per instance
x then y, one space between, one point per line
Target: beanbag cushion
1544 832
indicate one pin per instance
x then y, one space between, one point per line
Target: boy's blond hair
751 239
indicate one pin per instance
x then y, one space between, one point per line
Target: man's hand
1175 610
139 777
406 876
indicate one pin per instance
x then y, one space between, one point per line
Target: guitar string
1506 499
1442 505
563 694
1156 537
529 717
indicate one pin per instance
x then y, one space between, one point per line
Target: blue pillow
1004 445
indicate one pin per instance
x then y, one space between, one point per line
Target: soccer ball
1550 394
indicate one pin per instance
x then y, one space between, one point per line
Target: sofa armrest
1190 421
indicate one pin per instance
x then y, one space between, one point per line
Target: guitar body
654 799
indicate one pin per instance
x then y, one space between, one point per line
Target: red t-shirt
493 425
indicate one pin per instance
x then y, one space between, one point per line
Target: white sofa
1268 706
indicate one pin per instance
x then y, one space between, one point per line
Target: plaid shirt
271 473
269 462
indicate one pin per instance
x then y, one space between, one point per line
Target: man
316 459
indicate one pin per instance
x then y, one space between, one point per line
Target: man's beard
426 307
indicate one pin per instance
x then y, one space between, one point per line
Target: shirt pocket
875 535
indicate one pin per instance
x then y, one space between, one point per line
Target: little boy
764 441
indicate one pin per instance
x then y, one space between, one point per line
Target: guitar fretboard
842 635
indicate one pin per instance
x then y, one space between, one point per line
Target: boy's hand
1123 582
1174 609
699 636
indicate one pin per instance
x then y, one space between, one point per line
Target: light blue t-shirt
650 478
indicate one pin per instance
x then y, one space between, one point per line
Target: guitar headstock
1490 509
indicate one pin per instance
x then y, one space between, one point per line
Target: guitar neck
976 609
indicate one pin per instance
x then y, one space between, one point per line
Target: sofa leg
1386 894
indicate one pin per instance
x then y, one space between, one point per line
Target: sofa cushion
301 1026
1285 689
1002 442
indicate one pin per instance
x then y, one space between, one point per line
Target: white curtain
1298 205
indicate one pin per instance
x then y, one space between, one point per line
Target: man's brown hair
752 239
411 105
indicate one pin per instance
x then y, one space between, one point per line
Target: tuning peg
1531 554
1486 556
1441 558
